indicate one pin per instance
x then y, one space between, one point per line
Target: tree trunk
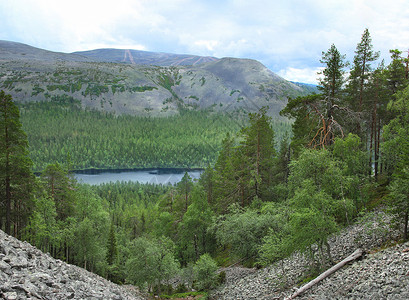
353 256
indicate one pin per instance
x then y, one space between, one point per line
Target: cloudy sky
287 36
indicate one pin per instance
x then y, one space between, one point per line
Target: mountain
11 51
140 82
137 57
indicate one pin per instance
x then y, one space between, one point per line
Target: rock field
28 273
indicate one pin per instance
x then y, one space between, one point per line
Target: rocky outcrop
28 273
381 275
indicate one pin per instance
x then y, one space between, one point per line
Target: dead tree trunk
353 256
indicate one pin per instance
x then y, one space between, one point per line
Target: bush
222 277
181 288
205 273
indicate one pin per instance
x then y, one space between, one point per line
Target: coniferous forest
263 195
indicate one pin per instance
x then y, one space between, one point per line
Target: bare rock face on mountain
27 273
142 83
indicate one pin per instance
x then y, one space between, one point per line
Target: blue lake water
142 176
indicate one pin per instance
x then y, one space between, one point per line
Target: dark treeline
261 200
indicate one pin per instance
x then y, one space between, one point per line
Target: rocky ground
27 273
382 274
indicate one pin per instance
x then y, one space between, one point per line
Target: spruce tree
16 177
112 250
332 82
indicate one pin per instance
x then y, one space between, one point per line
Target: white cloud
287 36
306 75
207 44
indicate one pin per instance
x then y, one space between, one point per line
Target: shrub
205 272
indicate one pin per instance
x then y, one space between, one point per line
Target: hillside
380 274
149 85
28 273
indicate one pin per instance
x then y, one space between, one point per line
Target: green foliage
243 231
141 89
396 144
151 261
396 147
112 250
91 229
333 74
91 138
59 185
194 239
16 177
205 273
41 229
399 200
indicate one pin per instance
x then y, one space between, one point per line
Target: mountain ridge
149 88
140 57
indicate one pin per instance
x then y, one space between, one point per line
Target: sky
287 36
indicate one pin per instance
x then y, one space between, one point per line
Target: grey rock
27 273
10 295
381 275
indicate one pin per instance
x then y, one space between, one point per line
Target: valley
287 178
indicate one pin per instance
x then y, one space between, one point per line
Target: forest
60 130
261 199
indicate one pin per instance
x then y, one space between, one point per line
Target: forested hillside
264 198
61 131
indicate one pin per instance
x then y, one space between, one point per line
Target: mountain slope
17 51
137 57
227 84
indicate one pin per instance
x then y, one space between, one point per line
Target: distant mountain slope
227 84
137 57
308 87
19 51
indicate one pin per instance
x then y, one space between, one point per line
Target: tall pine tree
358 79
16 178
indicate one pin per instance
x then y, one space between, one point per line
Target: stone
27 273
10 296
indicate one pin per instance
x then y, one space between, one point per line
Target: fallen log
333 269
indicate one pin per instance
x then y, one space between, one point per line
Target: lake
156 176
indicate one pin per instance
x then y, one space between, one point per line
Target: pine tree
331 86
16 178
258 149
59 185
359 75
184 188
